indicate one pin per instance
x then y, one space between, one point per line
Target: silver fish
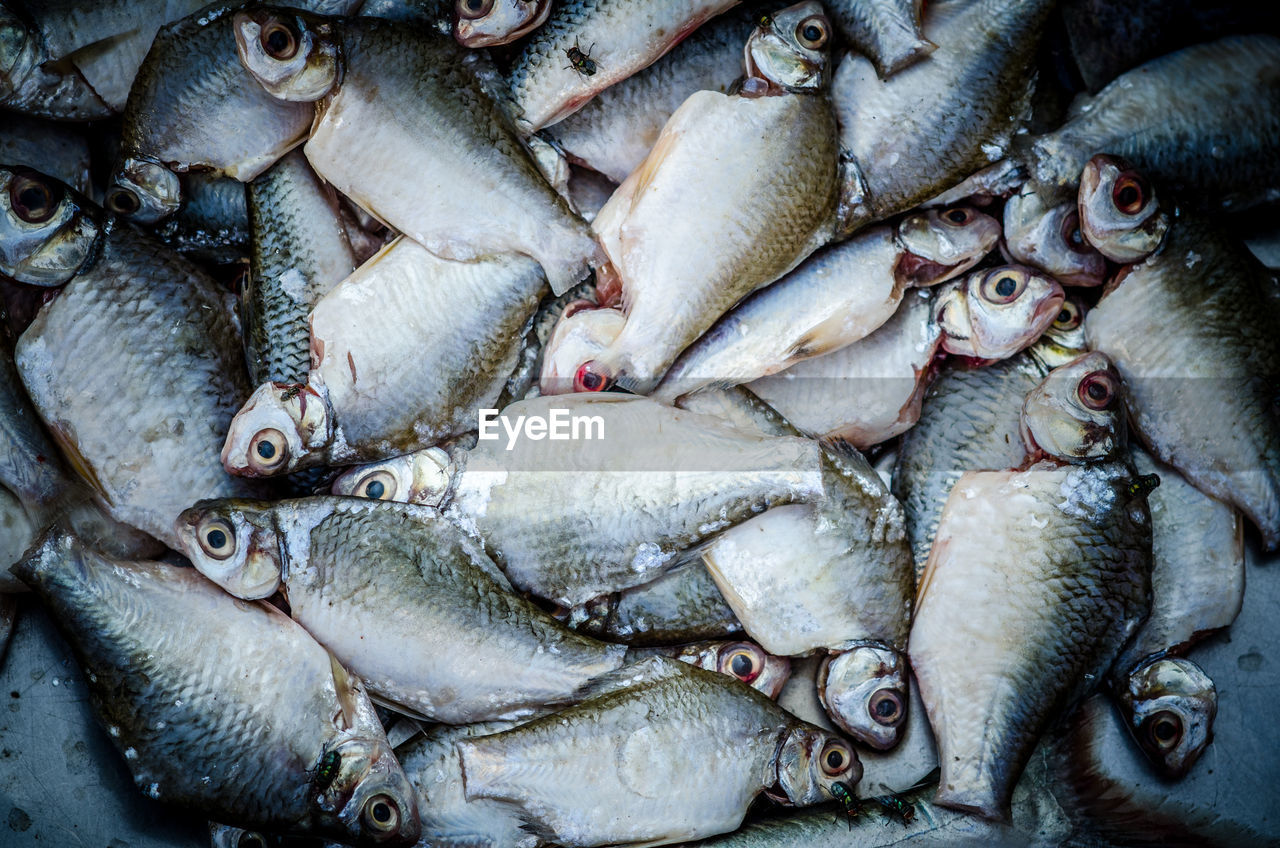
1076 413
682 605
1191 331
583 332
56 149
17 532
436 117
871 390
907 138
370 393
741 660
300 252
737 191
238 713
30 465
588 45
1069 548
189 89
139 434
1120 213
690 751
835 298
372 580
1212 141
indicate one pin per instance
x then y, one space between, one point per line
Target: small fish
741 660
1076 413
690 751
1051 238
885 31
369 578
233 714
1120 214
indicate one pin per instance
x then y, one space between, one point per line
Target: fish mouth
916 270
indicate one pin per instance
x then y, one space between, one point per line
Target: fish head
144 190
236 544
1120 214
489 23
790 50
810 764
865 692
47 231
744 661
1076 413
293 55
1169 706
421 477
362 786
943 243
1048 236
278 430
1064 339
995 313
19 52
583 332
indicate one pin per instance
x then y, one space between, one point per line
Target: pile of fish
618 422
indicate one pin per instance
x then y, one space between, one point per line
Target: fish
1049 237
190 87
1197 588
741 660
1121 215
871 390
17 532
832 577
736 192
885 31
909 137
1036 580
135 368
834 298
438 117
680 606
371 579
237 713
57 149
586 46
300 252
690 751
1191 331
616 129
1212 142
370 394
490 23
624 517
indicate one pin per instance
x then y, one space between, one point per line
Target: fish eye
1069 318
268 449
1003 286
1073 235
885 707
378 486
1097 390
958 215
32 200
472 9
217 538
1129 194
588 379
742 661
122 201
835 758
812 32
381 813
1163 730
251 839
279 40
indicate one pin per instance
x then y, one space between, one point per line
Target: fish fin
409 713
345 687
652 163
635 385
846 458
81 466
